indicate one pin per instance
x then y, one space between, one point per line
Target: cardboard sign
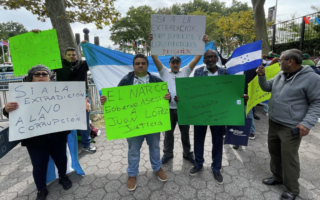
30 49
211 100
136 110
46 107
5 145
255 93
177 34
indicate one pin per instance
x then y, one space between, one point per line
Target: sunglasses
42 74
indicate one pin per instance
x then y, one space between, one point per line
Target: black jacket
76 71
41 140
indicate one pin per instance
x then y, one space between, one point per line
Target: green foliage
5 58
7 30
312 47
99 12
237 29
10 29
136 25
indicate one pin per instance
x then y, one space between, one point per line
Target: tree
236 6
213 31
7 30
10 29
237 29
135 26
64 12
260 24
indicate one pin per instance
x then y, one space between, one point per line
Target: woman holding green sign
141 76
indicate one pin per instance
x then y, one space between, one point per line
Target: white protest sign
177 34
46 107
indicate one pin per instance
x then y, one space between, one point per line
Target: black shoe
194 171
288 196
218 177
270 181
256 117
252 136
41 195
190 158
235 146
65 182
165 159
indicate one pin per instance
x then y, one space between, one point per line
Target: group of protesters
294 109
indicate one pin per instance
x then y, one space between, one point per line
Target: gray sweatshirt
296 100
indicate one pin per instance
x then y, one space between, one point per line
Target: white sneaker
90 149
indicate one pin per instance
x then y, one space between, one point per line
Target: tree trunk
57 12
260 24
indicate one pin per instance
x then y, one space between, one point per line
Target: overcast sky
285 10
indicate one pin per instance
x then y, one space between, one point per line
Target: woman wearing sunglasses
40 148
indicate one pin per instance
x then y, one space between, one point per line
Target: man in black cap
169 75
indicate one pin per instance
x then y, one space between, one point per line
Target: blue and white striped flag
245 57
72 159
108 67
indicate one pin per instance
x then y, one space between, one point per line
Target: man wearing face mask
169 75
210 58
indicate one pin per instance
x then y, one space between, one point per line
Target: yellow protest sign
136 110
256 94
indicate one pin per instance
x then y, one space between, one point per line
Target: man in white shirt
169 76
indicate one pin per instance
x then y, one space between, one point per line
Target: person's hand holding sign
103 99
260 70
11 106
167 96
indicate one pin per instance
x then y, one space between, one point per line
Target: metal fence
93 94
294 30
94 97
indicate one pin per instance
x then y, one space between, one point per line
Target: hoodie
295 100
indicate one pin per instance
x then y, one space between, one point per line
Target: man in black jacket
76 70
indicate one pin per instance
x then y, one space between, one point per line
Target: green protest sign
136 110
211 100
30 49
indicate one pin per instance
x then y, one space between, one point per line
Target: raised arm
196 58
264 84
155 58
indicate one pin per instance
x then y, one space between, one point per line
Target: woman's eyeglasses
42 74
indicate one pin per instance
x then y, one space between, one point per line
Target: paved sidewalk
106 176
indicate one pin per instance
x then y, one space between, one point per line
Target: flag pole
9 55
2 51
275 15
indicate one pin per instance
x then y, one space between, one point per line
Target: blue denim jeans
250 115
265 108
217 146
135 144
85 134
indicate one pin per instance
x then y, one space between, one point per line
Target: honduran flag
108 67
245 57
72 159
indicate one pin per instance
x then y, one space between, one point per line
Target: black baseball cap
175 58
